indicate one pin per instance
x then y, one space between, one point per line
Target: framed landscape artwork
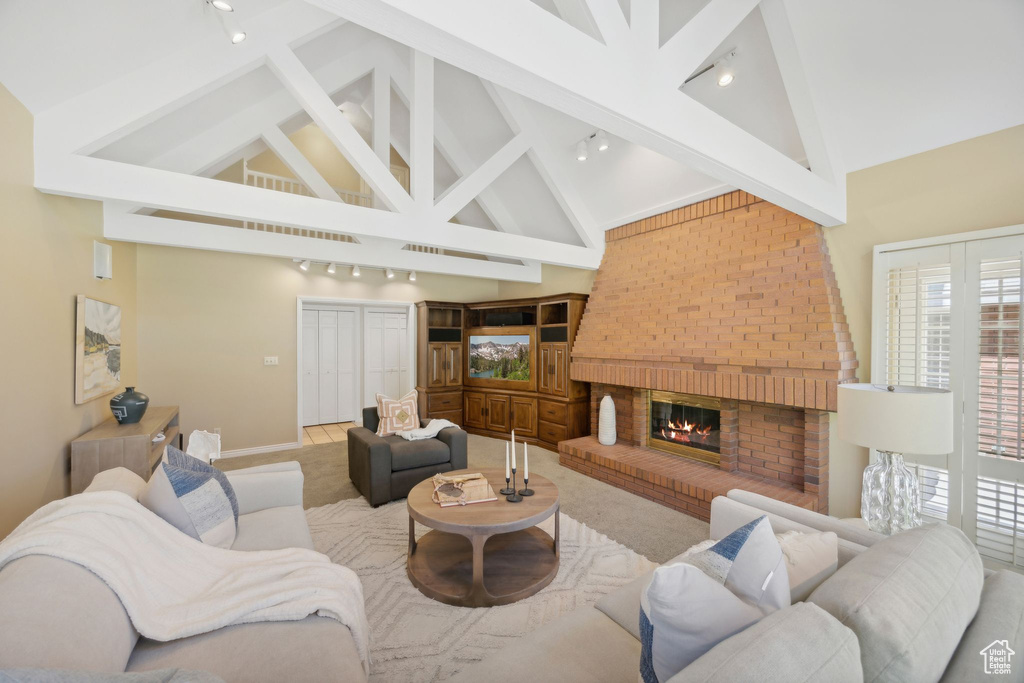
97 349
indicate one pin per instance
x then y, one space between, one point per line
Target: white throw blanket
174 586
429 432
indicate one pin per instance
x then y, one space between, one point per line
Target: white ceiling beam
576 13
298 164
644 20
100 116
421 135
695 42
607 16
550 164
566 70
102 179
821 149
120 225
304 87
381 119
468 187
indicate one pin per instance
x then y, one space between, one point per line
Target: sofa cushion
909 598
583 646
118 479
801 643
57 614
408 455
273 529
312 649
810 559
1000 617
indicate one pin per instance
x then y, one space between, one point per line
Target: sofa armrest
456 440
257 488
369 465
844 530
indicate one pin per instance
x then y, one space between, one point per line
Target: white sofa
904 608
57 615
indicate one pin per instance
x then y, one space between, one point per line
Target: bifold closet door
328 389
348 327
329 344
385 355
310 368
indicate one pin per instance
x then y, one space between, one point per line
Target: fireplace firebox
685 425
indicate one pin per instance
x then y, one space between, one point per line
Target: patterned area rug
414 638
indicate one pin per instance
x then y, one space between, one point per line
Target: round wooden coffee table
483 554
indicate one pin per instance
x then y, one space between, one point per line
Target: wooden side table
483 554
112 445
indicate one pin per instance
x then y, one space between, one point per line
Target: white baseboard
261 449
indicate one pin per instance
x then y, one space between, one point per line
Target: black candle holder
513 497
526 491
508 490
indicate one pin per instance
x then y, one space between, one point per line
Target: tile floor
332 433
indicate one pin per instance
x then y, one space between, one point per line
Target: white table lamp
894 420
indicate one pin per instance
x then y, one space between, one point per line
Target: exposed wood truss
598 83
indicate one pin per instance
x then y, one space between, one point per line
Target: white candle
526 463
508 475
513 449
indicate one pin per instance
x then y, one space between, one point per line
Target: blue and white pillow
193 497
708 596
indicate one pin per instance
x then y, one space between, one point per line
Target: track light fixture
390 273
581 150
602 141
304 266
412 276
355 271
228 21
331 268
725 73
221 5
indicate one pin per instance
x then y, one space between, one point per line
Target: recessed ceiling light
222 6
304 265
355 271
331 268
412 276
602 141
581 150
390 273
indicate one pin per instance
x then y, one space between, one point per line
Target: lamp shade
897 419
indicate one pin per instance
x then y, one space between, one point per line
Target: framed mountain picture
97 349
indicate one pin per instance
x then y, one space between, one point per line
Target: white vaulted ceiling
834 85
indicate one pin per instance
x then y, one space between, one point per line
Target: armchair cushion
407 455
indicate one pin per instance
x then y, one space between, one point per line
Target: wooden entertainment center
540 402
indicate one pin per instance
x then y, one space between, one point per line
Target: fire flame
682 430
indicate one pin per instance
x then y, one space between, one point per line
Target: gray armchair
386 468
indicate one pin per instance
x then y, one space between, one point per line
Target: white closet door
373 357
393 334
328 339
348 325
310 368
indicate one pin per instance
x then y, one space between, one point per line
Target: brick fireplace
728 311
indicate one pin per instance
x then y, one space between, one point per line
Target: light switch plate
270 360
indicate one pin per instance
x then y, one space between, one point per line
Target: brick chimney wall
732 297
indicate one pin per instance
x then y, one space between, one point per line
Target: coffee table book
474 489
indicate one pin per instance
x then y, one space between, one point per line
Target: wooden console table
112 445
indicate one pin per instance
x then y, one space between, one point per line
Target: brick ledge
675 482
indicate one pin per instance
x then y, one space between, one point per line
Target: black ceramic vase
129 406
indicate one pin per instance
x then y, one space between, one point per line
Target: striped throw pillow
397 415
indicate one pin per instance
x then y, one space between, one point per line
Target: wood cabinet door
497 413
545 371
453 369
435 365
475 409
524 416
560 365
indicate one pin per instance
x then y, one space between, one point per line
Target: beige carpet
414 638
652 530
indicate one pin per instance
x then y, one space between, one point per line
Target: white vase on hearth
606 421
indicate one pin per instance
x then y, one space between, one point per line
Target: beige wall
972 185
45 261
207 320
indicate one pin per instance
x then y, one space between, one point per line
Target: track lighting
231 27
332 269
304 266
221 5
355 271
412 276
602 141
581 150
724 71
390 273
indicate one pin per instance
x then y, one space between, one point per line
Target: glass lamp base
890 500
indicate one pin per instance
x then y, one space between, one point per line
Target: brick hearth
685 485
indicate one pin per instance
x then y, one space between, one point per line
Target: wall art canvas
97 349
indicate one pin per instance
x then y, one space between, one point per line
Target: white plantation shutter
997 409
